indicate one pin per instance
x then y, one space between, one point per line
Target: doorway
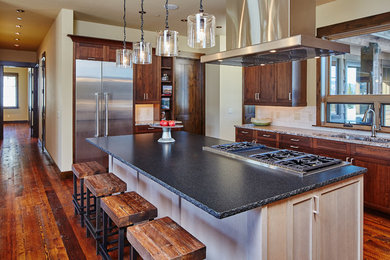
19 95
190 94
43 112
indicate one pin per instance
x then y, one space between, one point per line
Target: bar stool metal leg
82 208
97 224
121 243
88 209
75 194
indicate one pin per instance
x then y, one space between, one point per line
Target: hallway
36 211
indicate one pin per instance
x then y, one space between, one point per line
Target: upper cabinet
281 84
146 82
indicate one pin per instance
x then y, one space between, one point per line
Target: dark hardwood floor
36 214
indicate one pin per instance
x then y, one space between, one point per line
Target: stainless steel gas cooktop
291 161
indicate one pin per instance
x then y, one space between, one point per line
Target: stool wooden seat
164 239
105 184
124 210
100 185
80 171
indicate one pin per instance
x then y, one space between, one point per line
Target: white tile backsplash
302 117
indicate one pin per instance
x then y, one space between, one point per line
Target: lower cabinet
322 224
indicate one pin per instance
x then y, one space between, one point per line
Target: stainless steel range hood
271 31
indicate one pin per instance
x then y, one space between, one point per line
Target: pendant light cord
124 24
201 6
142 20
166 15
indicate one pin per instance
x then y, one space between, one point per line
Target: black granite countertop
219 185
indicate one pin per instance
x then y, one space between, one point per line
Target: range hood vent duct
271 31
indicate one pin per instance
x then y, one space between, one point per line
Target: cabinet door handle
147 96
316 209
294 147
151 128
294 140
267 136
244 132
352 159
90 58
290 96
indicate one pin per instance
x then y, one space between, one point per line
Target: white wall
59 89
18 56
21 113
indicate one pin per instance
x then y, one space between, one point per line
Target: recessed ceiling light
172 7
18 26
19 18
16 45
17 39
272 51
17 33
220 60
19 10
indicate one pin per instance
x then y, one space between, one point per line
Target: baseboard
16 122
62 175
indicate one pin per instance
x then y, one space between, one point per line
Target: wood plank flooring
37 218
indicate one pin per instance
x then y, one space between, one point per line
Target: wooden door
283 83
1 102
251 85
340 223
266 79
189 95
89 51
376 184
146 84
302 231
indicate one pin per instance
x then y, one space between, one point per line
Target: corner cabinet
281 84
326 223
146 82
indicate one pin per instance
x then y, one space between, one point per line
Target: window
352 83
10 90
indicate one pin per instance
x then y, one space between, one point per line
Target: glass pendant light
201 29
167 39
123 56
142 51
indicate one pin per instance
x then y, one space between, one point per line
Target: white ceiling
39 15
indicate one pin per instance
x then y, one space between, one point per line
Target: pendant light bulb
167 39
142 51
201 29
123 56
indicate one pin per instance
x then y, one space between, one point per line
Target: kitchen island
241 210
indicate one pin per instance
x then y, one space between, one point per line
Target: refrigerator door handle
97 119
106 111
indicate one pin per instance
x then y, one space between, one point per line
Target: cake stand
166 134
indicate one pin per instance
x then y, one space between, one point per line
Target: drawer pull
151 128
294 140
267 136
294 147
244 132
91 58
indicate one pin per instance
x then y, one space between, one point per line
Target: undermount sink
362 138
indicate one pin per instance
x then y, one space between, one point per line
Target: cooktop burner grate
237 147
276 156
309 162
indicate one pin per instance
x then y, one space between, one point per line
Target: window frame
356 27
16 75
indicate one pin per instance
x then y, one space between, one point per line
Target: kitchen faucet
373 125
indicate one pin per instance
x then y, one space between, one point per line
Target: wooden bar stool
124 210
164 239
100 186
80 171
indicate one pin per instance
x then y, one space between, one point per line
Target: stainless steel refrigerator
104 106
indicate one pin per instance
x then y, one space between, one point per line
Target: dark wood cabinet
146 83
266 138
281 84
89 51
244 135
